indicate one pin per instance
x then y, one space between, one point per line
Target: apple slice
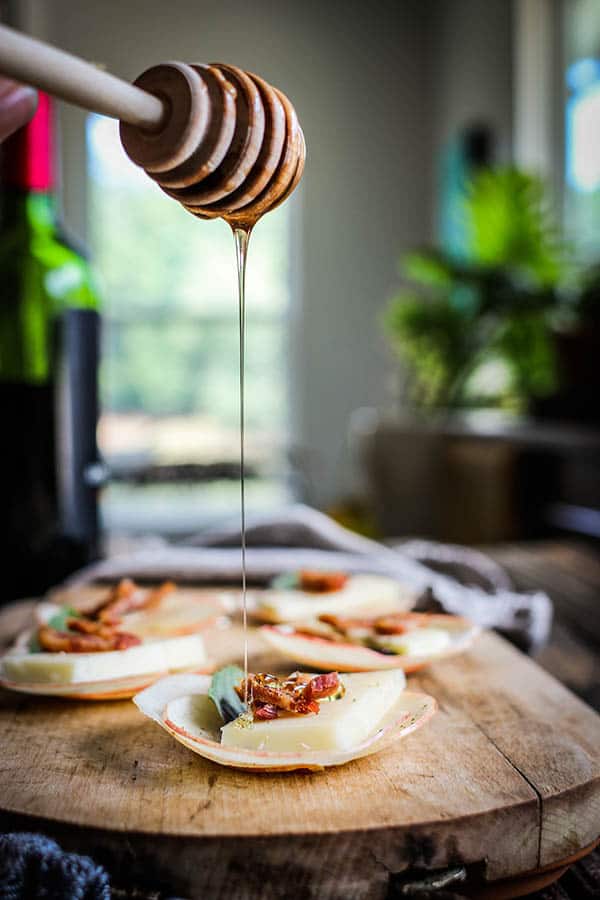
328 655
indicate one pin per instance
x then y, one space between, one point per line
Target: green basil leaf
222 693
57 621
287 581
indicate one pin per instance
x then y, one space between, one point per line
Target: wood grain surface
569 571
505 779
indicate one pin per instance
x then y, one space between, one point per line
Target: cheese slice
375 594
339 725
418 642
169 655
181 612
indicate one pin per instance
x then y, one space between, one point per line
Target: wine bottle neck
32 212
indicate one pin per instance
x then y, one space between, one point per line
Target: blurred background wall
470 69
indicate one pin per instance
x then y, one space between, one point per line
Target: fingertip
27 98
17 107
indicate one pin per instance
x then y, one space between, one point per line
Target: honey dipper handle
70 78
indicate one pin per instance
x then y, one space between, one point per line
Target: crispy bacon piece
55 641
128 597
98 632
155 595
321 582
344 624
271 690
395 623
391 625
322 686
399 623
120 593
265 711
297 694
89 626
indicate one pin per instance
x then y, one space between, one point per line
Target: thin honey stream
241 238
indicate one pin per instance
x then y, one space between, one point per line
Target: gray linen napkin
303 538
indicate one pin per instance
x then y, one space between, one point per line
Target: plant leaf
57 621
223 695
512 226
436 339
430 268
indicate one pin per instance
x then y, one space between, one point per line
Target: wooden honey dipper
220 140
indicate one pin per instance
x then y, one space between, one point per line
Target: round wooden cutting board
504 780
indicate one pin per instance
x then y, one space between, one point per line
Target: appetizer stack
125 642
296 596
355 623
303 721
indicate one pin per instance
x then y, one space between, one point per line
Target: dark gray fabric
33 867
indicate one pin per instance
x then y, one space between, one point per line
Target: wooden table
569 571
505 780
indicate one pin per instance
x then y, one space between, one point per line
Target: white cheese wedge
419 642
339 725
374 594
168 655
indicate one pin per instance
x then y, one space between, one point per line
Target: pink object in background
32 168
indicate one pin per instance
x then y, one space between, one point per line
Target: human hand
18 104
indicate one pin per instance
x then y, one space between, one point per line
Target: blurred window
582 127
169 376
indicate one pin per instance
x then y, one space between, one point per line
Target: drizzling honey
242 237
241 226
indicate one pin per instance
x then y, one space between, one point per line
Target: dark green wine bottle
49 329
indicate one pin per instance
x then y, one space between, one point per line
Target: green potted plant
477 330
473 331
